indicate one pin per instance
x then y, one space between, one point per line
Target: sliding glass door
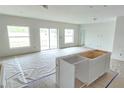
48 38
44 38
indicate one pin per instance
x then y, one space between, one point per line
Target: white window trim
22 47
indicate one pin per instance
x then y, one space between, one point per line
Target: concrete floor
48 57
33 66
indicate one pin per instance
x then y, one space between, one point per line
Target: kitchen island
85 66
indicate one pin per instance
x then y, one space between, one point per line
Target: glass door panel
44 38
53 38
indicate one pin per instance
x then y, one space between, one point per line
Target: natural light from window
18 36
69 36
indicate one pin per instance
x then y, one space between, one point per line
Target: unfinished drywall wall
34 25
99 35
118 49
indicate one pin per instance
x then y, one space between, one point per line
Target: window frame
28 36
72 36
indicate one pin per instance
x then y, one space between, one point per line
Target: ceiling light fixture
45 6
94 19
91 6
105 6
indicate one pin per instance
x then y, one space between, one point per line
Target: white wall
99 35
34 25
118 49
82 35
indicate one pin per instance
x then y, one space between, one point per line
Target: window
18 36
69 36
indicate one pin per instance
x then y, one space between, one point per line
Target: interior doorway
48 38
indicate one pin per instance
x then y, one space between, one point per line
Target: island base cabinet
65 75
84 69
81 71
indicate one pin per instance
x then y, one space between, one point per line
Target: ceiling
76 14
